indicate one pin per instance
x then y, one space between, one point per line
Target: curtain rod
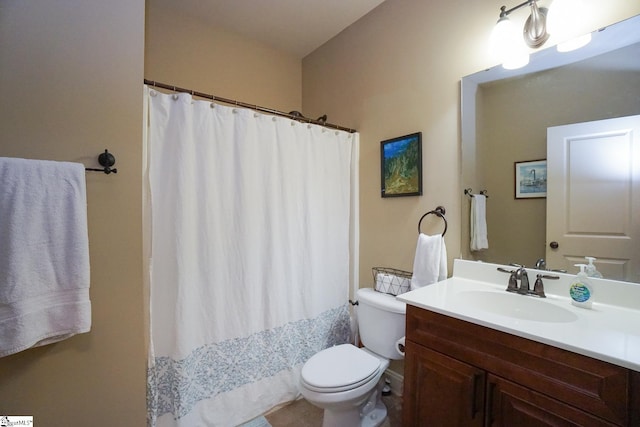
245 105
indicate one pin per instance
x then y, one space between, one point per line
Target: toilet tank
381 321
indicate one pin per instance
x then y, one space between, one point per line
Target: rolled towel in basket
392 284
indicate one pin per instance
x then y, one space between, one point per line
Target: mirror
505 114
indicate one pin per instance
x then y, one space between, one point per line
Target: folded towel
44 253
478 215
430 261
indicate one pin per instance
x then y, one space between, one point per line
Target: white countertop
610 331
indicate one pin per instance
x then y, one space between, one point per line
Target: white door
593 196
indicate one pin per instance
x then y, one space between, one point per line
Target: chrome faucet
519 282
541 264
517 276
523 277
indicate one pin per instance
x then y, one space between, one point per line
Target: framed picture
531 179
401 166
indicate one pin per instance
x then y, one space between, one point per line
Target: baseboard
397 381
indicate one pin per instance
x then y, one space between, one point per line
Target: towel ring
439 211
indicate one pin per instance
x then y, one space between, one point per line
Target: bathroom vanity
477 355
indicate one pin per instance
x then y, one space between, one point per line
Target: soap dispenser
591 268
580 290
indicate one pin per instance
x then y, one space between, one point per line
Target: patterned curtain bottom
175 386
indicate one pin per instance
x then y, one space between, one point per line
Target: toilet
346 381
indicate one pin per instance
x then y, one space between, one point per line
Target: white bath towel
430 261
478 224
44 253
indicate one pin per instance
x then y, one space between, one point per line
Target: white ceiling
294 26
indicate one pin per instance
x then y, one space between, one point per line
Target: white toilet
346 381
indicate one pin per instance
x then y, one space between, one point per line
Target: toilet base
371 414
352 418
376 417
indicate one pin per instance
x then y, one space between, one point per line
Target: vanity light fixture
563 23
506 43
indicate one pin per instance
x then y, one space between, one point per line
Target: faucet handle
513 282
538 287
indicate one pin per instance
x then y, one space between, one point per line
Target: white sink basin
516 306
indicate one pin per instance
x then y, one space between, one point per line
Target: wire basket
391 280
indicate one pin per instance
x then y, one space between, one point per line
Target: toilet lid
339 368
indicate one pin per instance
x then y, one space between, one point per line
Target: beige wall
70 78
394 72
397 71
182 50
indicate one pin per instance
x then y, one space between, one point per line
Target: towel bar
106 160
469 192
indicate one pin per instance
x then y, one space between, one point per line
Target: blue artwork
531 179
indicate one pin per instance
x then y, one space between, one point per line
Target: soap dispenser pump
580 290
591 268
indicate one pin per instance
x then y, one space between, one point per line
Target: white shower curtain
251 218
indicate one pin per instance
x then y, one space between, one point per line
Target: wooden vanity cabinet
455 393
461 374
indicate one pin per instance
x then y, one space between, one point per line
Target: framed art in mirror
401 166
531 179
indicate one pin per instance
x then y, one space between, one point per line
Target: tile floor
303 414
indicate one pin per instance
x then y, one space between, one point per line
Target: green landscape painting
401 167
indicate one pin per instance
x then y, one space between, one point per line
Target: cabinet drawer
509 404
594 386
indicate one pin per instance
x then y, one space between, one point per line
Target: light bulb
507 45
565 22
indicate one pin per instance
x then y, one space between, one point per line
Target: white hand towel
44 253
478 216
430 261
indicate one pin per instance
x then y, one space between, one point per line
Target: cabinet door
441 391
509 404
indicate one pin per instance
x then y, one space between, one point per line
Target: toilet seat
340 368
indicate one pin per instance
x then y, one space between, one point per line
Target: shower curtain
251 222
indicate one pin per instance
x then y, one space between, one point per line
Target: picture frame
531 179
401 166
